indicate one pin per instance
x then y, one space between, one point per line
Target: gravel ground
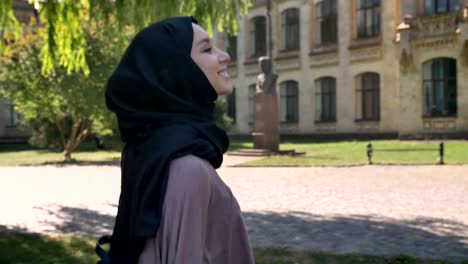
381 210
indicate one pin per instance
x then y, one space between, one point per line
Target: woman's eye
207 50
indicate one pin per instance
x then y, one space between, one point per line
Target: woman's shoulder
190 166
191 162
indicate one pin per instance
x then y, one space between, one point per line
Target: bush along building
351 68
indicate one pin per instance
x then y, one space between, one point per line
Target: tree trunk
80 130
67 154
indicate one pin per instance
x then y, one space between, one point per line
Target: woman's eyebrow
207 40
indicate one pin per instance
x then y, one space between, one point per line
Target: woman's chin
225 90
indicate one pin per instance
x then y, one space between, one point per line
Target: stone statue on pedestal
266 117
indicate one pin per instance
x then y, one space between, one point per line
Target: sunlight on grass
346 153
43 157
38 249
32 249
350 153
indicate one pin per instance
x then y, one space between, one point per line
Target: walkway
384 210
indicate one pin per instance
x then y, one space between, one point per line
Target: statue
267 79
266 118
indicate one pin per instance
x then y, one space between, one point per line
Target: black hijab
164 105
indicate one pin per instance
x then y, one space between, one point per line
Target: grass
345 153
349 153
20 248
86 154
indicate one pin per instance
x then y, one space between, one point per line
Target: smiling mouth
224 74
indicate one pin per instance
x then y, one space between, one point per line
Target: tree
220 115
64 37
72 102
55 73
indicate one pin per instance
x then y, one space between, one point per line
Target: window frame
289 98
375 16
329 111
231 46
231 107
362 90
330 20
446 82
450 6
255 25
290 22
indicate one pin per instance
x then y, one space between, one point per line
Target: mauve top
201 220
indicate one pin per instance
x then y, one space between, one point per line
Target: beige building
357 67
10 131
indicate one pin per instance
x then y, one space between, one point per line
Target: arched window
440 6
289 102
252 89
440 87
258 36
325 99
231 46
327 22
231 105
368 15
368 96
290 29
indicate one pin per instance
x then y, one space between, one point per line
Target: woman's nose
224 57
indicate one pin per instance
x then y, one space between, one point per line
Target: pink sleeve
182 233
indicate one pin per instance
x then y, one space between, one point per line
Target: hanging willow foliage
64 39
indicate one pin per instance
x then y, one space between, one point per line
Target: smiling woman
211 60
173 206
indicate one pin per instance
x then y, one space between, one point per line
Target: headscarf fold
164 105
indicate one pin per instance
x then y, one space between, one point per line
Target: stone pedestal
266 123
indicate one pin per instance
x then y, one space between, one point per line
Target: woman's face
212 61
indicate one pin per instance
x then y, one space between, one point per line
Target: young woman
173 207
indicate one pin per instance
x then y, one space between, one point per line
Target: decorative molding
258 3
366 54
368 126
437 43
435 25
288 63
439 124
252 69
289 127
325 127
285 55
406 62
323 50
365 43
251 60
324 59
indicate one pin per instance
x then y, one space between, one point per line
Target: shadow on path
374 235
430 238
77 221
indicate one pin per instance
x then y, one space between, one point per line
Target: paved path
385 210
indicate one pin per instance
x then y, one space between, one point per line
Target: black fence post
441 153
369 153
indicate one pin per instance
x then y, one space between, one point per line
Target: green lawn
44 157
346 153
18 248
25 155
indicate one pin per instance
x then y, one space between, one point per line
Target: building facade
357 67
10 130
